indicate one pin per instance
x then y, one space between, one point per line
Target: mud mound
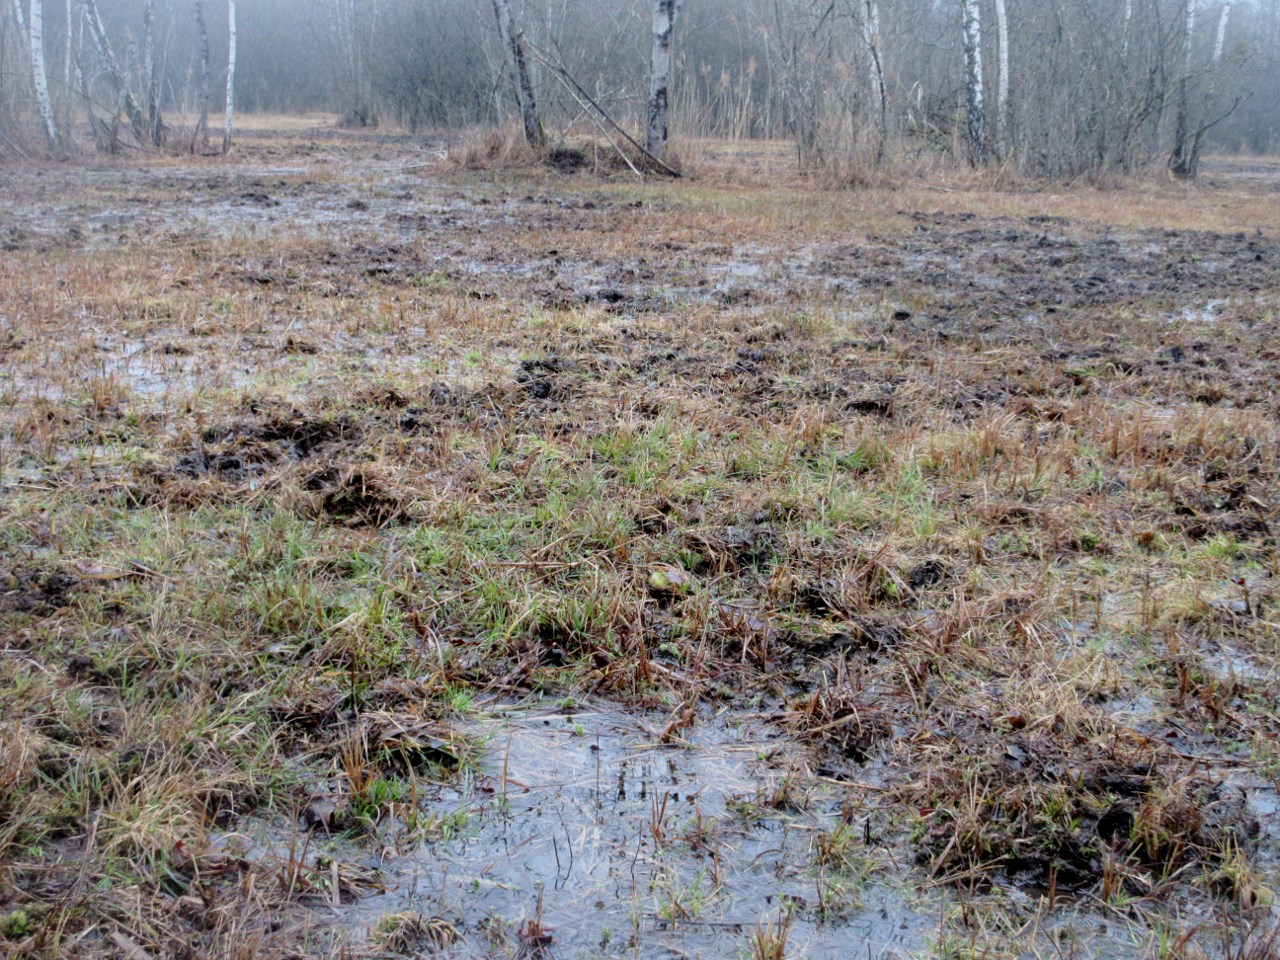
1048 811
35 591
355 495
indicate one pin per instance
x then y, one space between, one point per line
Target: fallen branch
567 78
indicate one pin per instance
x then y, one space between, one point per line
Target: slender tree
518 69
67 75
664 23
231 75
39 77
151 75
879 96
82 84
1002 81
201 133
348 24
1211 87
1181 162
977 121
1220 43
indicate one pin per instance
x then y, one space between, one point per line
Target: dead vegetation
974 508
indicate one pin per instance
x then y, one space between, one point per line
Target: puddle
635 847
1230 663
1209 312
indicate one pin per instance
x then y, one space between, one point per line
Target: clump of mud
35 590
1047 811
355 494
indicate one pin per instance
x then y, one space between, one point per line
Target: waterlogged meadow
398 559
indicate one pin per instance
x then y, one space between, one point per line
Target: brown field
401 559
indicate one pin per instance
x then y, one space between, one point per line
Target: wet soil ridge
403 564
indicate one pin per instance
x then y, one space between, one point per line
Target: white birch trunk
20 16
977 121
201 133
1128 22
1002 81
879 99
82 81
1187 38
347 24
67 75
155 123
38 75
231 75
363 107
664 22
1220 43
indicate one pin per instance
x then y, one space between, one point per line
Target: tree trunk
1211 87
1002 82
82 80
231 75
1181 163
1220 44
38 75
879 98
201 133
20 16
976 116
67 75
518 67
363 97
125 96
357 110
151 75
664 23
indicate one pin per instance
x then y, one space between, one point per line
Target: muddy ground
403 559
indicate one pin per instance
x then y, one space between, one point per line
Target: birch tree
67 75
96 126
1002 81
879 97
1181 163
231 75
151 75
664 23
1211 87
1221 41
977 121
518 69
201 133
358 110
38 75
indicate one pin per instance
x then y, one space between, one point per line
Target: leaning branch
599 124
566 76
1205 128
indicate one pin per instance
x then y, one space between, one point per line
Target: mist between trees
1058 88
